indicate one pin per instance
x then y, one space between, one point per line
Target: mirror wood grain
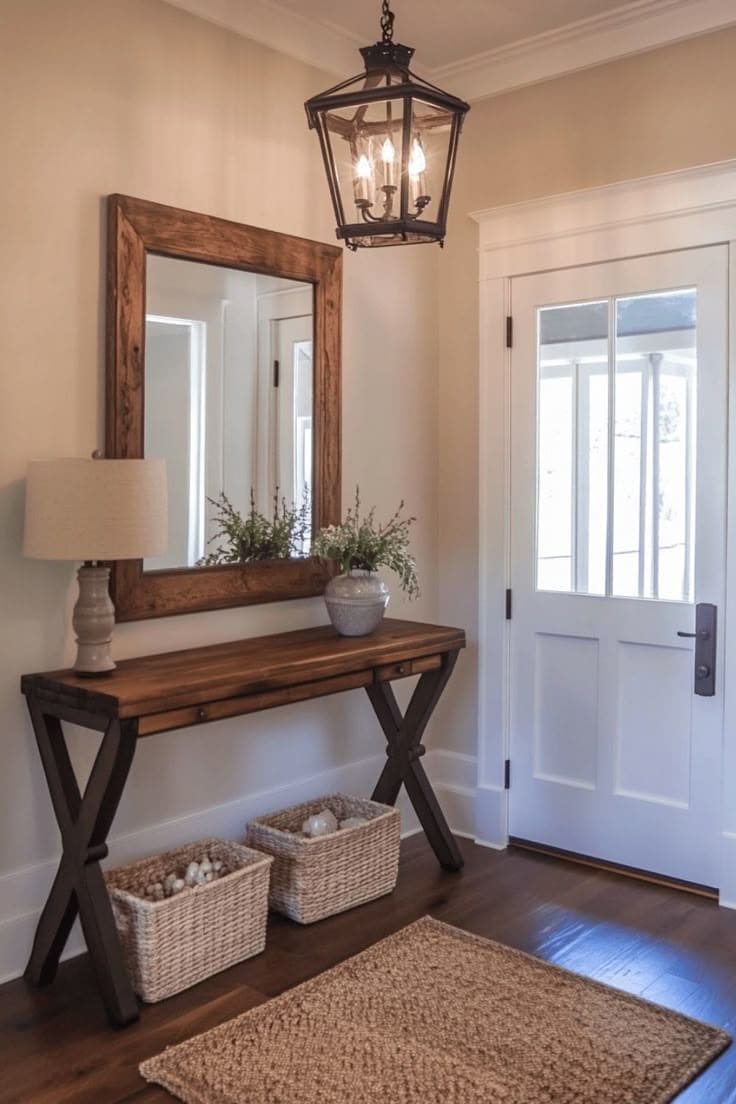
141 235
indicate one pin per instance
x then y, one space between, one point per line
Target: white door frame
657 214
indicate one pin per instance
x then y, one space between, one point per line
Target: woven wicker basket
172 944
317 877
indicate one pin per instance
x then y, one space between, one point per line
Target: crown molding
629 29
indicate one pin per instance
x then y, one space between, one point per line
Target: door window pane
596 457
572 448
653 518
627 531
629 496
556 394
675 561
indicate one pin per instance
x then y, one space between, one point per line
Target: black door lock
706 617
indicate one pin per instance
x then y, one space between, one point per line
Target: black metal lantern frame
389 143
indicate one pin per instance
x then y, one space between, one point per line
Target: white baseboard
454 777
727 888
23 891
491 819
451 768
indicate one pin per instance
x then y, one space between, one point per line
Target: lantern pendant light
389 141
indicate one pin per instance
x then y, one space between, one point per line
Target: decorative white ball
196 874
322 823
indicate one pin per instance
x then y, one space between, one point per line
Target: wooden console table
159 693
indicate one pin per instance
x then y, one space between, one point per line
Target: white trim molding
630 29
454 777
674 211
653 214
627 29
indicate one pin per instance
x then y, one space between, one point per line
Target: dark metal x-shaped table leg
404 750
79 886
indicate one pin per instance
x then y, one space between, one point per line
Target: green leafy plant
256 537
361 544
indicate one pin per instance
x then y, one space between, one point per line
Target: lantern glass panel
366 144
429 152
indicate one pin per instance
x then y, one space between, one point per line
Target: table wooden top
172 680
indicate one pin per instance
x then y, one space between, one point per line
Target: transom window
616 446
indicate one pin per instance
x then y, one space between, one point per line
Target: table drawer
190 715
390 671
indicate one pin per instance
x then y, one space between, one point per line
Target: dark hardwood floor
668 946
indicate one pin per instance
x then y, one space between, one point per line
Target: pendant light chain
387 23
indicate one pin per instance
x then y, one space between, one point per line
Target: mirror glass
228 404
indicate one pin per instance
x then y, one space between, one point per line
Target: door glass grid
616 446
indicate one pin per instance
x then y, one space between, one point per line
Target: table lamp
95 510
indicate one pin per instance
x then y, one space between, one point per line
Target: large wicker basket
172 944
317 877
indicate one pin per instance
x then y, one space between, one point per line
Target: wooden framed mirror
223 356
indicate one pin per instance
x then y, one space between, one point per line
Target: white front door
618 496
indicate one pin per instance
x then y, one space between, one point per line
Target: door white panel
618 494
566 709
654 725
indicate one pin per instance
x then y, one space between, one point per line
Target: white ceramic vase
356 602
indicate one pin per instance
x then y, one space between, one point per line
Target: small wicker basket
320 876
172 944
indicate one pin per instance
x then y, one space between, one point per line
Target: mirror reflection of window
303 403
292 456
228 397
174 428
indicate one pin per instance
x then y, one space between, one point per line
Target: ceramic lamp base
94 621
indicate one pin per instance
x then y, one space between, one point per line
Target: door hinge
276 373
507 774
508 605
509 332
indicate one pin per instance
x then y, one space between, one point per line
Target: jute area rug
433 1015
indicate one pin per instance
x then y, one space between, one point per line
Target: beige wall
134 96
669 109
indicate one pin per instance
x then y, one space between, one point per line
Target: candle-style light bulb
363 179
417 160
417 166
388 156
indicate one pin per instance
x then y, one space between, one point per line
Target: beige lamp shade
95 509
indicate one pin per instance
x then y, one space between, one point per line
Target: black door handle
705 648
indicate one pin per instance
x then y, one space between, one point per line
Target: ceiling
482 46
445 32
